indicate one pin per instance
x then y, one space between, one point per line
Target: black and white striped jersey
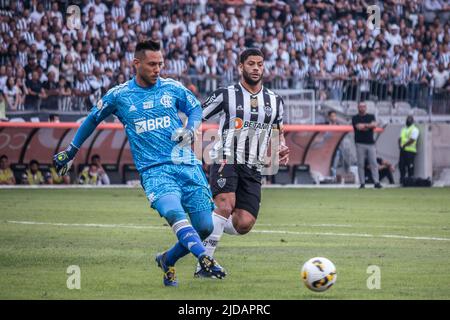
246 122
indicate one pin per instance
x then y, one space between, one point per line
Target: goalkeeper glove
183 136
63 160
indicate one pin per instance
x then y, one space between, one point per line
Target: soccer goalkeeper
171 175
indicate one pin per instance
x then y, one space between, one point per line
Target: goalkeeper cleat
209 268
169 279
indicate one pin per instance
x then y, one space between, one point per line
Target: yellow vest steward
405 135
56 179
6 175
86 178
37 178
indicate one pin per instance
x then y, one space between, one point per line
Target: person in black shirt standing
35 92
364 123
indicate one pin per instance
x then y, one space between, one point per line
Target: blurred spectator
53 118
37 13
51 92
55 67
363 74
92 174
41 60
82 91
64 95
440 76
338 156
33 176
436 7
95 171
52 177
31 66
400 76
21 86
118 12
332 120
120 79
67 69
103 175
6 174
102 62
340 74
280 74
393 36
211 75
84 66
3 76
385 170
35 92
177 66
100 83
2 107
12 94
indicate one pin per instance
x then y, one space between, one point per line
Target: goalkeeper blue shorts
188 182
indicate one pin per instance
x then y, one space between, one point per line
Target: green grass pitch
113 235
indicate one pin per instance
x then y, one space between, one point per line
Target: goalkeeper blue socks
179 250
202 223
188 238
175 253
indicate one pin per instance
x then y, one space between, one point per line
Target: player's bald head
144 46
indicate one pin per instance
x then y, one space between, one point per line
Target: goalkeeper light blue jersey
150 116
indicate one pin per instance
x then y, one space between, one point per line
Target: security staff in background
408 148
364 123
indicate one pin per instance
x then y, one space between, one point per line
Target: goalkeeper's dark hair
151 45
250 52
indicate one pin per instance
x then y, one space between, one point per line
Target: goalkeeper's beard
249 79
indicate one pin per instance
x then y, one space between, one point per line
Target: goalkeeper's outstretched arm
63 160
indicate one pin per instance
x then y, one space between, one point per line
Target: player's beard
148 80
144 75
249 79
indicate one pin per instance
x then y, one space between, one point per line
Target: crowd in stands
49 61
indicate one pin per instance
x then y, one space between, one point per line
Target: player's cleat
209 268
200 273
378 186
169 279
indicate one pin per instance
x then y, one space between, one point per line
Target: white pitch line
347 226
305 225
358 235
88 225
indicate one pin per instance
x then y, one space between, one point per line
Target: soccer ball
319 274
